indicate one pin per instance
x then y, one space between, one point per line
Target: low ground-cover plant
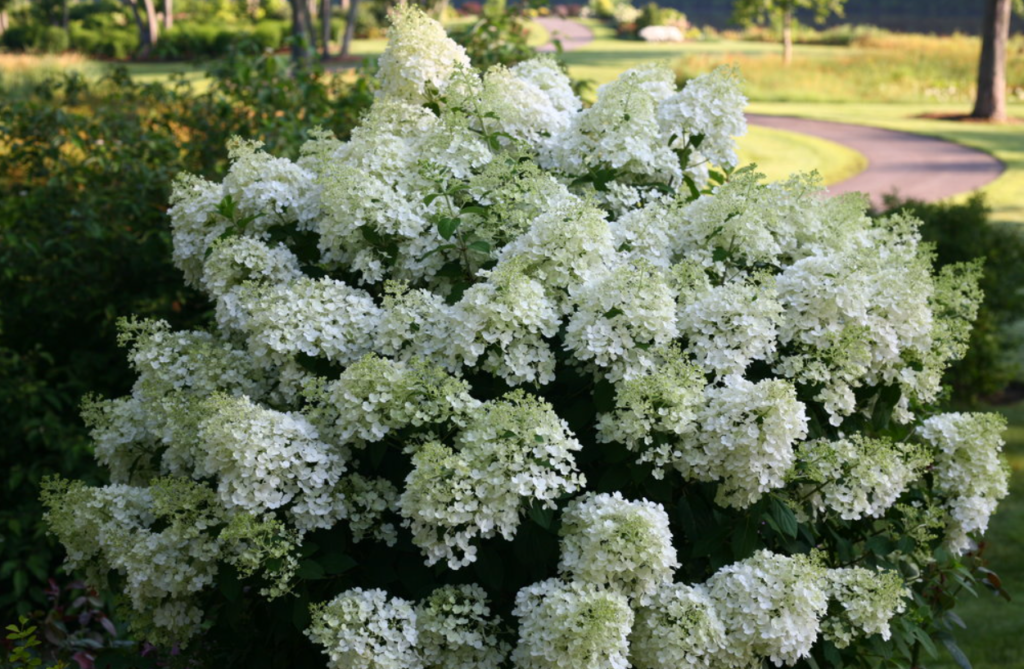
503 382
86 177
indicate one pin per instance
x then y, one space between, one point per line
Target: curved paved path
914 166
573 35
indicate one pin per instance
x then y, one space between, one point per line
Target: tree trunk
301 29
990 104
325 21
145 33
440 9
3 21
67 15
168 14
350 27
787 36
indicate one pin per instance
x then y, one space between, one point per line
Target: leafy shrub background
84 240
962 232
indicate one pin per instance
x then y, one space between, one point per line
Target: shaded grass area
779 153
994 638
1006 142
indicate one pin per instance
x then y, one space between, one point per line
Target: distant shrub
962 232
270 34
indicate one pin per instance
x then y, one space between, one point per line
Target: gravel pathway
912 166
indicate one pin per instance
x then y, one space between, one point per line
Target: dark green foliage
84 239
961 232
498 37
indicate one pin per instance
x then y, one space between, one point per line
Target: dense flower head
969 471
615 542
366 629
771 607
678 627
457 631
566 625
498 336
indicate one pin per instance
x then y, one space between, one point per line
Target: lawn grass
779 153
994 638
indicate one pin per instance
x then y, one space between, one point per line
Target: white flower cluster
678 627
451 629
969 471
745 440
456 630
512 452
870 599
366 629
265 460
610 541
858 477
771 606
571 625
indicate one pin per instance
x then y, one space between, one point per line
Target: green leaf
720 254
430 198
716 176
612 313
745 540
542 516
784 517
337 563
888 396
480 246
310 570
474 209
958 655
446 227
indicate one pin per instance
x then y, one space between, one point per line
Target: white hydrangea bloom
571 625
275 190
237 261
619 132
619 315
512 452
320 318
626 545
859 477
417 324
376 396
366 500
457 631
544 73
869 600
679 627
420 58
195 223
771 606
969 471
504 319
656 408
366 629
265 460
710 107
729 326
517 106
566 243
746 439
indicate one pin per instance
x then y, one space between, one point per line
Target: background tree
149 28
747 12
990 103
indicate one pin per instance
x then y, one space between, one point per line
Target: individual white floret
571 625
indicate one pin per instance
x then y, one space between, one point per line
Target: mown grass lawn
994 638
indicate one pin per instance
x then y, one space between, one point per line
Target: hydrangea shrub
508 382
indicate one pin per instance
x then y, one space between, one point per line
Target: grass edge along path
778 153
1005 142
